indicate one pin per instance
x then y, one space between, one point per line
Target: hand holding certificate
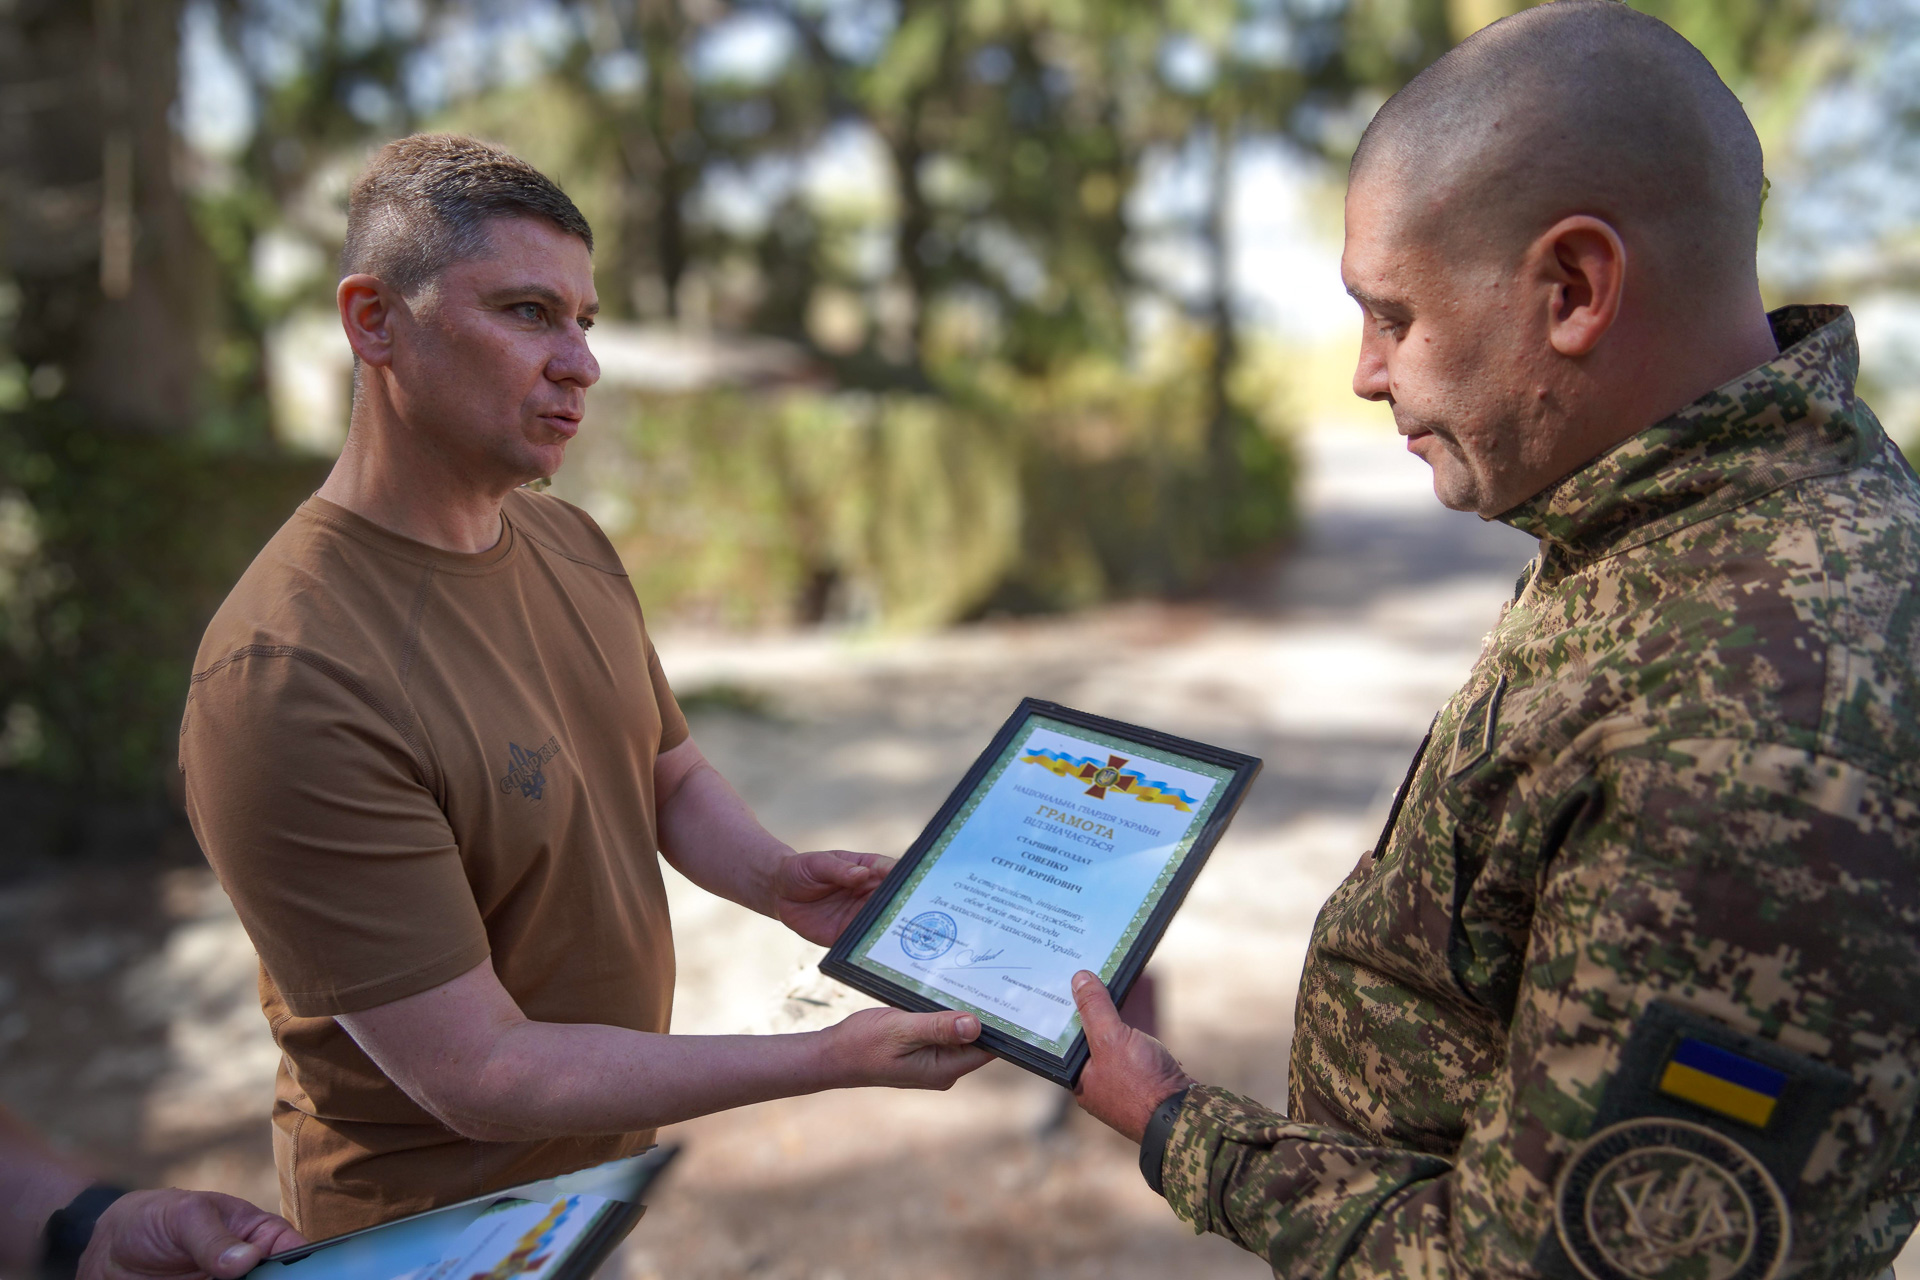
1068 846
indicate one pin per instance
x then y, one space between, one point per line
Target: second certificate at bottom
1052 866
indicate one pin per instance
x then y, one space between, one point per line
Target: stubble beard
1456 481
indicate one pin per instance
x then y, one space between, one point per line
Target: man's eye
531 310
586 322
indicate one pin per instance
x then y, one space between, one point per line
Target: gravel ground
129 1025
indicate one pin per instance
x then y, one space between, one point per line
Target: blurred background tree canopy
916 310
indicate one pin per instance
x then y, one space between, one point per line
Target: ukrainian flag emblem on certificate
1725 1083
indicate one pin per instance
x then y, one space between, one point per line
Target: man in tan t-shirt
431 754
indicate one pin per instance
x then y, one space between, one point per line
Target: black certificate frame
1062 1069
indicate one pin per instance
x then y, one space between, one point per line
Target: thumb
234 1261
944 1028
840 870
817 871
203 1232
1097 1013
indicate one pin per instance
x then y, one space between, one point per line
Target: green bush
801 506
911 510
1122 493
117 549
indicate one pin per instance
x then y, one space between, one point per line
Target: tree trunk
659 147
115 294
916 223
1226 330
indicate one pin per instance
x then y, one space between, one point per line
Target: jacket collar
1792 417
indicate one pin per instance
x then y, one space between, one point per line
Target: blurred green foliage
121 549
760 510
1000 439
1004 493
937 202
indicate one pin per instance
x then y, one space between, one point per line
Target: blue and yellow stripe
1144 789
1723 1082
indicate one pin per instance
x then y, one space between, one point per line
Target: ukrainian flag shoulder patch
1694 1156
1724 1082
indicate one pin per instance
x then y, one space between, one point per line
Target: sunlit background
953 351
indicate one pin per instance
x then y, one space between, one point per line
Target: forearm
35 1180
466 1053
545 1080
712 838
1310 1199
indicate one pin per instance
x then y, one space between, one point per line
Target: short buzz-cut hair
1578 106
424 202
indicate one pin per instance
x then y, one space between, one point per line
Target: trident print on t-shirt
529 768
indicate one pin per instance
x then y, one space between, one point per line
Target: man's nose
1371 378
574 362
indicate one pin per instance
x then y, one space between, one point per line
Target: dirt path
1328 667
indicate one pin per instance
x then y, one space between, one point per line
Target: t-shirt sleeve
673 722
315 813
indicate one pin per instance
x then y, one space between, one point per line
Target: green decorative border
1221 776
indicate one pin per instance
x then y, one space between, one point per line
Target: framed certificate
556 1229
1069 845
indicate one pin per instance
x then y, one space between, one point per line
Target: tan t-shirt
402 761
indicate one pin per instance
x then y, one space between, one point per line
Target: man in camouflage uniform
1630 987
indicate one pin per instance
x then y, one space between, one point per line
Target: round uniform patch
1668 1200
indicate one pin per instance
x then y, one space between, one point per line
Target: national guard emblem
1659 1199
1108 775
1118 774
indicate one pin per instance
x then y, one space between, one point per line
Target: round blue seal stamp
929 935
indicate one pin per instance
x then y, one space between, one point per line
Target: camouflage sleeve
1767 892
1296 1194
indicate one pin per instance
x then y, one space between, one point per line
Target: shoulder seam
1731 508
1839 644
400 724
411 648
347 531
564 554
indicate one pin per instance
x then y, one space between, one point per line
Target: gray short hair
424 202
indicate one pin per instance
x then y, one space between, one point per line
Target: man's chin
543 461
1452 485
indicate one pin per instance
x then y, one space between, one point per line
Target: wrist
822 1061
70 1230
765 877
1159 1128
1157 1093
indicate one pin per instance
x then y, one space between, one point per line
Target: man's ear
1583 263
367 314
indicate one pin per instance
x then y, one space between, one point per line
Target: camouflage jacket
1630 987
